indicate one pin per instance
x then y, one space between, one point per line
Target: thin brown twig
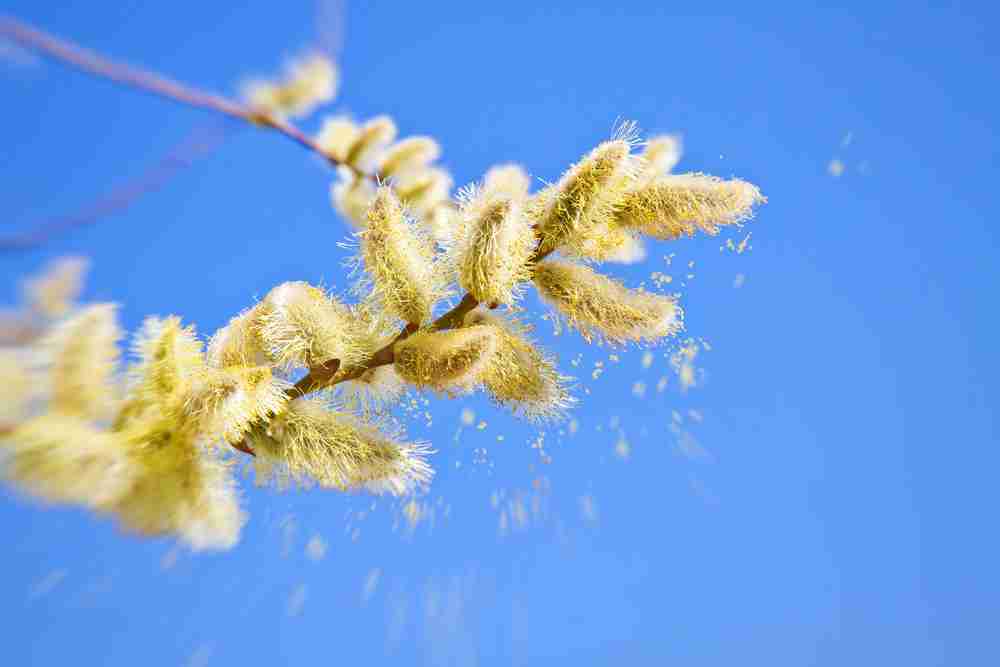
198 143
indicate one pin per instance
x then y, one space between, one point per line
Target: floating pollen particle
600 307
452 360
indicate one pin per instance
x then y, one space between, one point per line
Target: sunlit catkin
452 361
675 206
519 375
311 443
586 197
408 154
181 489
352 196
371 139
308 83
602 308
169 356
226 402
15 388
237 343
83 356
398 257
659 157
423 190
54 293
301 325
510 180
63 459
498 242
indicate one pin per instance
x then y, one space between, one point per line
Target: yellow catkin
54 293
675 206
15 388
226 402
336 136
301 325
310 443
237 344
180 489
586 197
374 390
602 308
307 83
493 255
83 353
351 196
510 180
409 154
398 257
451 361
64 459
659 157
423 190
519 376
169 357
371 139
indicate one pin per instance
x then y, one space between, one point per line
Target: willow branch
130 76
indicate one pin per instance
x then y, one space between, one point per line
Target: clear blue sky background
839 507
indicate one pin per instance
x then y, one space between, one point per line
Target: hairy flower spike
600 307
237 343
675 206
371 139
65 459
181 489
300 325
352 196
423 190
495 248
509 180
660 156
169 357
410 154
226 402
587 196
308 83
309 442
54 293
398 257
83 351
452 361
336 136
520 376
15 388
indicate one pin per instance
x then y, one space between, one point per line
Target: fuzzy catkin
227 402
423 190
408 154
308 82
451 361
399 258
586 197
602 308
311 443
54 293
659 157
301 325
83 352
169 357
495 248
519 375
237 343
675 206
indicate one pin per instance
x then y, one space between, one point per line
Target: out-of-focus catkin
308 83
451 361
54 292
602 308
520 376
399 259
301 325
675 206
312 443
237 344
659 157
83 353
169 355
497 244
412 153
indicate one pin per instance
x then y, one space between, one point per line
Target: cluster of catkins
302 379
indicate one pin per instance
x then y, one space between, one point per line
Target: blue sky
834 505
